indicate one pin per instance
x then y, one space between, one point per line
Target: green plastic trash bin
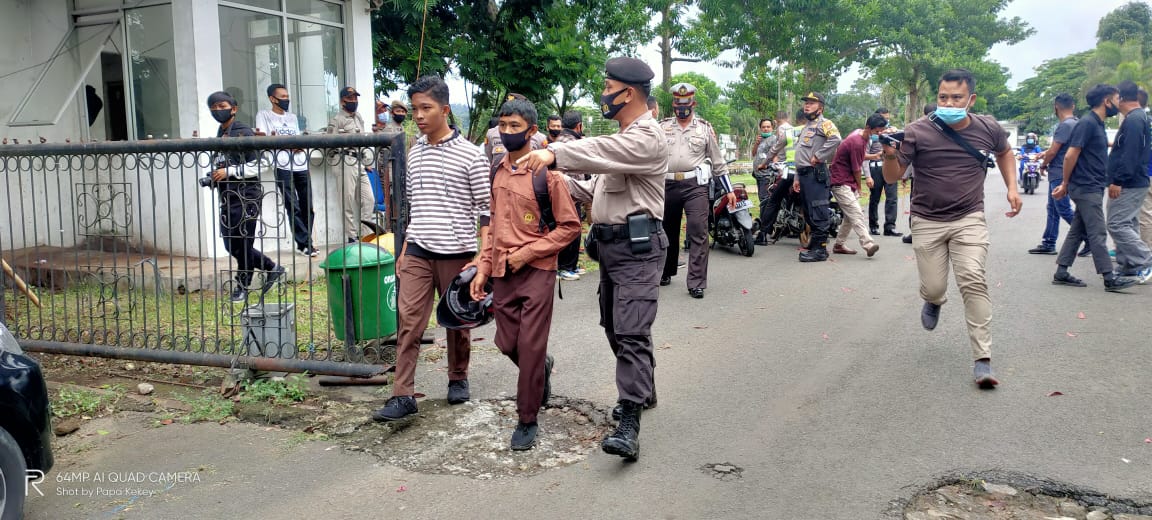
369 274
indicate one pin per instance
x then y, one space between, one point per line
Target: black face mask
813 116
398 118
609 109
351 106
223 115
282 103
682 112
554 133
514 142
1111 110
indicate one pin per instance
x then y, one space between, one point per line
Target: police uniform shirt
630 165
818 139
349 123
688 147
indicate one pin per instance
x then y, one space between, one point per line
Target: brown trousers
419 277
523 304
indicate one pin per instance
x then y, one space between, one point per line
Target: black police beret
629 70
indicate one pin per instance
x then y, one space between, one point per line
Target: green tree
1030 104
925 37
1131 22
680 39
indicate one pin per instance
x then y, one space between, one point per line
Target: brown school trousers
419 277
523 304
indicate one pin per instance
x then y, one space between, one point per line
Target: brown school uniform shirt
515 226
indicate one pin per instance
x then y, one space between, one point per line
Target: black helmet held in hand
457 310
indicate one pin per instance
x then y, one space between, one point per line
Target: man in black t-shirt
1085 177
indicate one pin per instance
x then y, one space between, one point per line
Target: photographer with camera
951 151
235 175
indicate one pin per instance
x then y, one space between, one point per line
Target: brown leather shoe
871 249
842 250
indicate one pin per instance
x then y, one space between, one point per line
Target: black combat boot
625 441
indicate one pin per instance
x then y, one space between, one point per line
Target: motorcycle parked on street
733 226
790 221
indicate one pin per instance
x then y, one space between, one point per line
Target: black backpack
539 188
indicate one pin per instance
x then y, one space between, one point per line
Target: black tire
13 474
747 243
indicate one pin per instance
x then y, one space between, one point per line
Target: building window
255 35
152 70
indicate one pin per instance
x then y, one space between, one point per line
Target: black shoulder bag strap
984 159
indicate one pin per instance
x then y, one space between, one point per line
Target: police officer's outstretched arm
625 152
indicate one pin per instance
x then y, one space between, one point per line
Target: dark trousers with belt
1088 226
296 190
691 199
629 287
814 188
239 214
879 187
522 302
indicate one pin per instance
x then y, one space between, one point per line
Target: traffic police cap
683 94
814 96
629 70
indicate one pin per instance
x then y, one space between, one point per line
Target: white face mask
383 117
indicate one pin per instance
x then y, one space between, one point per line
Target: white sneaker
567 275
1143 275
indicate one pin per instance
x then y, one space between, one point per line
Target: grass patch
208 406
79 402
290 390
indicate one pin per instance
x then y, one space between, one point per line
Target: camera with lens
892 139
207 181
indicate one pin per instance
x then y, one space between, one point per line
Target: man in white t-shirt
292 176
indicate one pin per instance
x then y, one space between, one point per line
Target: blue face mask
874 138
1031 141
951 115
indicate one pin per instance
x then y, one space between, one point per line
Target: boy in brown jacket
520 256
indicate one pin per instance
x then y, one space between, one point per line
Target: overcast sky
1062 28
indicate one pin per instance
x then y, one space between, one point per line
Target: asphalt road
816 380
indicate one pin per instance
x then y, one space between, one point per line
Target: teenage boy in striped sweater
448 194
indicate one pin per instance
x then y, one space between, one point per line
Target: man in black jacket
1128 184
235 175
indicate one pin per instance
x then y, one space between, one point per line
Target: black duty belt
804 170
613 232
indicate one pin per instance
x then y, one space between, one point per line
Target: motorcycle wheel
747 243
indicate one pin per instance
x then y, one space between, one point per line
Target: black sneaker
930 315
308 251
549 362
1117 284
907 238
396 408
524 437
1085 251
458 391
665 281
1067 279
239 294
1042 250
873 230
271 277
891 233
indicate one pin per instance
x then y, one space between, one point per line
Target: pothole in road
1004 496
723 471
472 439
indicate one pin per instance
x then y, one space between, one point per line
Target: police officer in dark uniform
694 159
815 148
627 196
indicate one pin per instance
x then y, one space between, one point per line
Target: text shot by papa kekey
107 483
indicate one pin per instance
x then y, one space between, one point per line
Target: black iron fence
133 251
